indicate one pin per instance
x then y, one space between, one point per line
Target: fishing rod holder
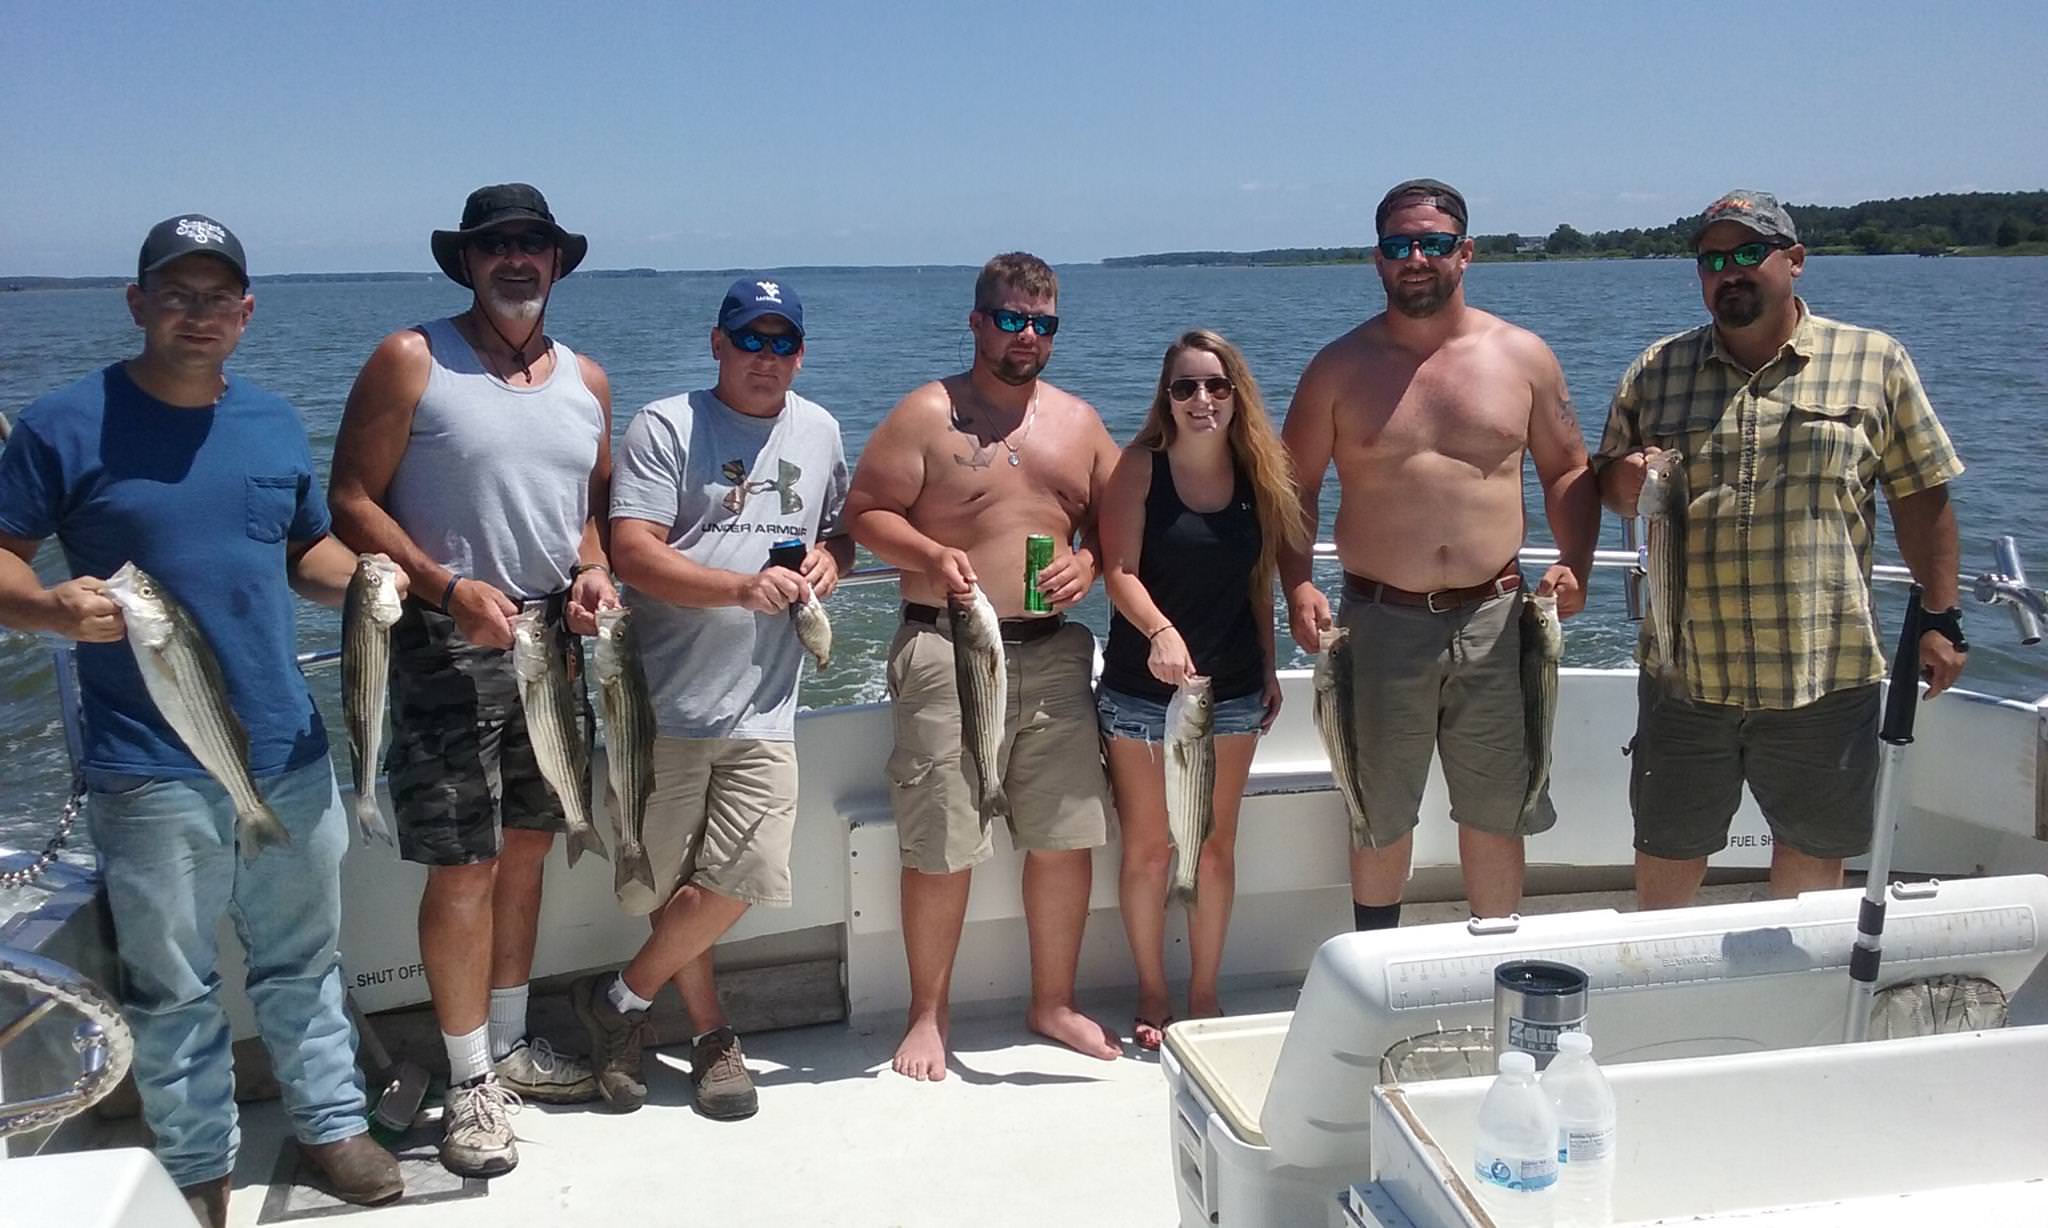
1634 575
2008 587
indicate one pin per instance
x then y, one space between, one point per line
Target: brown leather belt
1443 600
1015 630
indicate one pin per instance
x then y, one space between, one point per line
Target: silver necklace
1030 416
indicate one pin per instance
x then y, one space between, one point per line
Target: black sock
1374 916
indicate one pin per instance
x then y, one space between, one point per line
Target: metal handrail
102 1041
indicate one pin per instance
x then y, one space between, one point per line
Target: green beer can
1037 554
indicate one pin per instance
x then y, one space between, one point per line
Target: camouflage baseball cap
1760 211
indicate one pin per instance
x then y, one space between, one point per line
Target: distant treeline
1938 223
278 279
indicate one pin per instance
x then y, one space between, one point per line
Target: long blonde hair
1253 442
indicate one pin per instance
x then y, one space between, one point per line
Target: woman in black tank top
1191 524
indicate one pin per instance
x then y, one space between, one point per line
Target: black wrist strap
1949 623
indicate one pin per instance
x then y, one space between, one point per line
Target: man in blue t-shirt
206 483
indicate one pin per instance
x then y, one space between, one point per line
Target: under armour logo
772 291
784 485
199 230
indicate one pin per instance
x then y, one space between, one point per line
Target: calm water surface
1977 329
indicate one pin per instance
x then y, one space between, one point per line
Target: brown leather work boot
209 1202
357 1169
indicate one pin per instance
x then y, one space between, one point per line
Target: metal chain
34 870
105 1030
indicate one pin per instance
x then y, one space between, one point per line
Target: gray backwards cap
1760 211
1426 192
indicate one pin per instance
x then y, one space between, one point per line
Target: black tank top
1197 566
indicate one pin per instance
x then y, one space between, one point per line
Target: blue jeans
167 856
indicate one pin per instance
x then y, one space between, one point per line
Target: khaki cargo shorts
1448 683
721 816
1051 752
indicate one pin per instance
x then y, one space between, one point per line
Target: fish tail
631 867
1181 893
259 829
370 817
583 838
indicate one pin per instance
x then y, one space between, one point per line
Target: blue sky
333 137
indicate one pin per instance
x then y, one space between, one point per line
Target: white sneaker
538 1073
477 1141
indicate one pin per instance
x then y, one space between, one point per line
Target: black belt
1441 601
1015 630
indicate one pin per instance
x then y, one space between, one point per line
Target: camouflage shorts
461 765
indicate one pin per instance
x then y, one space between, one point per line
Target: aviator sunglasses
1436 243
529 242
1216 386
782 345
1747 256
1014 321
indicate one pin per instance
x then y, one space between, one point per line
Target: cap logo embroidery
772 291
199 230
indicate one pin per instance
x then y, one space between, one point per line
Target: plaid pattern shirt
1782 467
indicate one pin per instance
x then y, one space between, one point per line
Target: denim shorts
1144 720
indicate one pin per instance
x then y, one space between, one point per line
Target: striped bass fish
184 680
813 631
368 613
1190 781
1336 711
983 682
629 742
553 723
1662 506
1542 648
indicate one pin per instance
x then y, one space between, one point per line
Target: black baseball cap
185 234
496 205
1422 191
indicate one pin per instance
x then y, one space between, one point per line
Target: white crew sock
623 998
469 1056
508 1020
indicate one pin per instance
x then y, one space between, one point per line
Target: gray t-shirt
729 486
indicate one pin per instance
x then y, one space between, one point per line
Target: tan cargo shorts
1051 752
721 816
1451 684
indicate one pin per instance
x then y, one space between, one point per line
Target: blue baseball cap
753 297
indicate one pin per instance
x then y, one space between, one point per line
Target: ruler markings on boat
1685 959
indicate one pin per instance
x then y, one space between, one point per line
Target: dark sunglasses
529 242
1014 321
1217 387
782 345
1747 256
1436 243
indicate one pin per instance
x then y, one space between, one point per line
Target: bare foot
1074 1030
1204 1007
922 1055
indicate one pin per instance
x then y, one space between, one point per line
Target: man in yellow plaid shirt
1788 424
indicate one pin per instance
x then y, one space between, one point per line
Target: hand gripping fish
1662 505
1190 781
183 678
629 743
1336 711
552 723
983 681
368 613
1542 648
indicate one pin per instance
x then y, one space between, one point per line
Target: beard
507 307
1419 301
1016 370
1738 305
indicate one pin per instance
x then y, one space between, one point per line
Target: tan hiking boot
616 1040
208 1201
357 1170
540 1074
478 1138
718 1070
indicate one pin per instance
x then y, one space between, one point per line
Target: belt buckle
1429 602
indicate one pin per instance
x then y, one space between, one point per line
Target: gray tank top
495 480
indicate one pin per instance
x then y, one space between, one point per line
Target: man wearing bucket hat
172 464
726 514
476 452
1787 424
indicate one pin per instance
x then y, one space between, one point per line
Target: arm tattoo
1565 411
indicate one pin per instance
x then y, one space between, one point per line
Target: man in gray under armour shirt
706 485
476 452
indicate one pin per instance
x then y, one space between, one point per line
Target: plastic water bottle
1585 1134
1515 1155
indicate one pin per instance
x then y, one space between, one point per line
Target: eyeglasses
529 242
1747 256
782 345
193 303
1216 386
1014 321
1436 243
